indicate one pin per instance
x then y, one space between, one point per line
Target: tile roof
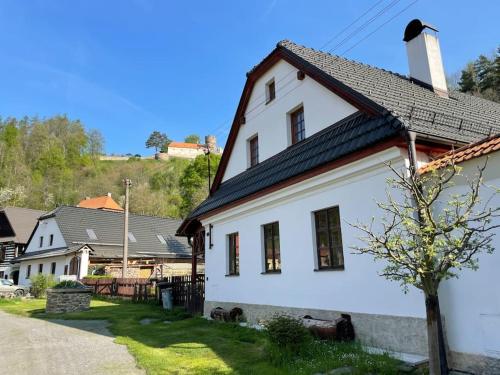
108 227
47 253
346 136
184 145
22 221
402 104
103 203
465 153
461 117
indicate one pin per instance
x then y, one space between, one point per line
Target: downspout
412 151
411 138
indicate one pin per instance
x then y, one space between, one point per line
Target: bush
69 284
287 337
40 283
93 277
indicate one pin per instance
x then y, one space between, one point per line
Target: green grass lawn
189 345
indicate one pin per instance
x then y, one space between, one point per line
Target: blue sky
130 67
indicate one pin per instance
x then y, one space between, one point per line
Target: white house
79 241
304 158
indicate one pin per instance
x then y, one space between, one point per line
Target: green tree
482 77
428 235
468 79
157 140
95 144
194 182
192 138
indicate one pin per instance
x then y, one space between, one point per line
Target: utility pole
127 184
207 153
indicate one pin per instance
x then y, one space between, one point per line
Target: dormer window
270 91
297 125
253 149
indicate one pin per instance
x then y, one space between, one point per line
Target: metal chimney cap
415 27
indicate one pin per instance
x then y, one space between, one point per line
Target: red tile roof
103 203
183 145
474 150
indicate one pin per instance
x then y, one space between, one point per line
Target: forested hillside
45 163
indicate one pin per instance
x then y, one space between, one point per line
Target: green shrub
93 277
287 337
69 284
40 283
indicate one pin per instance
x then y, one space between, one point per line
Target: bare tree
427 235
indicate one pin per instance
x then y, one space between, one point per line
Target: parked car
7 286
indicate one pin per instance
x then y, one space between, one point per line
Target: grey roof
47 253
22 222
403 104
108 227
348 135
461 117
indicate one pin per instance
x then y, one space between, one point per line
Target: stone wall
68 300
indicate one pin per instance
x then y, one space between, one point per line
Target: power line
378 28
352 23
222 125
349 37
364 25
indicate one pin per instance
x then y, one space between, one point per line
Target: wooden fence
182 288
135 288
184 292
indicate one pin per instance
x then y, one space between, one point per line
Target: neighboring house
16 226
306 156
105 202
80 241
177 150
191 150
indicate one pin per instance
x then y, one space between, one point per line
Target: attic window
131 237
253 148
161 239
270 91
91 234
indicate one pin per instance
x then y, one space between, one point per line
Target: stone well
68 300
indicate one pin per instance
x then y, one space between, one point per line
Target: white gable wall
270 121
45 228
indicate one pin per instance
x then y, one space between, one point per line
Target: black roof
461 117
404 104
351 134
108 228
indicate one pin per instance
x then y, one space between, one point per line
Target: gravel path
60 347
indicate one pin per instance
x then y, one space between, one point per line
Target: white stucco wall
358 288
61 261
471 303
270 121
45 228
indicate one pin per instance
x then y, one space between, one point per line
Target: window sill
269 101
334 268
232 275
271 272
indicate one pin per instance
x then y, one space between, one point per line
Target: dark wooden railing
184 291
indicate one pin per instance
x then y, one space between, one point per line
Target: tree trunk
438 364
